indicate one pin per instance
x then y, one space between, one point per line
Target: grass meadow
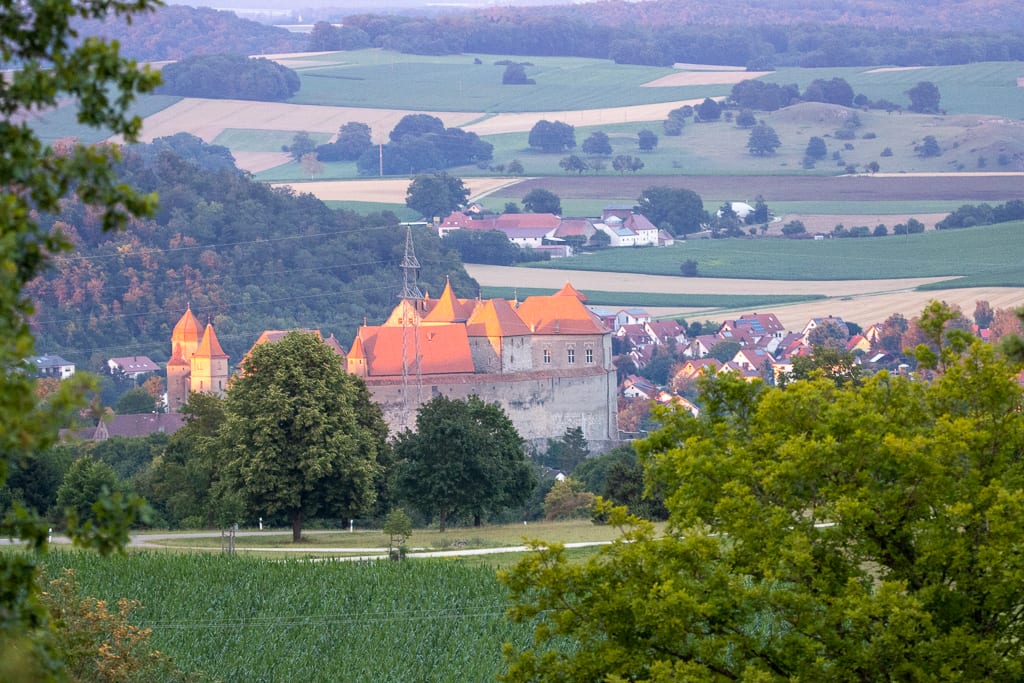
251 619
988 252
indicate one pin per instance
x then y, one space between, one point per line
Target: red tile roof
559 314
209 347
442 349
496 318
187 329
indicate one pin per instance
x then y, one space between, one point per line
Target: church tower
209 365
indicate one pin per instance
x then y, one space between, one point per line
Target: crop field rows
255 620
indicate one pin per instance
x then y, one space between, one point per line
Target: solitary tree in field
436 194
597 143
573 164
924 98
646 140
552 136
763 140
302 436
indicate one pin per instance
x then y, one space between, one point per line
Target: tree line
658 38
229 77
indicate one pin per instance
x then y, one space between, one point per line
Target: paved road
160 540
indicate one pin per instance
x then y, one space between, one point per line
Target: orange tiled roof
559 314
569 290
449 308
187 329
177 358
357 352
527 220
443 349
496 318
209 347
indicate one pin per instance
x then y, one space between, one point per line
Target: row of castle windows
570 355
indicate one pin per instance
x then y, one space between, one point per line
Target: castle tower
356 359
177 380
209 363
186 334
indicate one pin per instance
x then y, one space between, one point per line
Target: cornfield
249 619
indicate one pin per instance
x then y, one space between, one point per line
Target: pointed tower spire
410 269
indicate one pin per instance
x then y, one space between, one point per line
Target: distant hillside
177 31
242 254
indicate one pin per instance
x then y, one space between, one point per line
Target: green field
62 122
247 140
981 88
245 619
982 252
599 298
456 83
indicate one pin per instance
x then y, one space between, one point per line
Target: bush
844 134
887 152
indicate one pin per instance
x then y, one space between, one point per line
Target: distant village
553 362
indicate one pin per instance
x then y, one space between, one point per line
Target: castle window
589 354
547 356
571 355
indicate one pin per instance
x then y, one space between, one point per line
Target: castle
197 364
546 360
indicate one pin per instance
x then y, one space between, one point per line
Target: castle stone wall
541 405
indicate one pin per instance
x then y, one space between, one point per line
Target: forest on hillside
658 32
245 256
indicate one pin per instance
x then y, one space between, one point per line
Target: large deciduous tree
598 144
303 436
436 195
465 457
539 200
763 140
552 136
354 138
924 98
860 533
677 210
38 37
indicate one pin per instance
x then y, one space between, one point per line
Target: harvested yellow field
860 301
209 118
703 78
386 190
524 121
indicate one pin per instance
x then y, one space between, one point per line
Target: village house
52 365
133 367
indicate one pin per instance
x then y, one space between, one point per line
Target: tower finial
410 269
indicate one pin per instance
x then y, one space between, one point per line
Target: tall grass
253 620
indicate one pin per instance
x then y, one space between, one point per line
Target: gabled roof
639 223
442 349
187 328
548 221
357 352
49 361
495 318
333 345
562 313
209 347
573 227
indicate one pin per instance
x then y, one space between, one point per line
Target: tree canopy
35 179
420 143
817 532
232 77
303 436
436 195
763 140
465 457
597 143
924 98
539 200
552 136
678 210
354 138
